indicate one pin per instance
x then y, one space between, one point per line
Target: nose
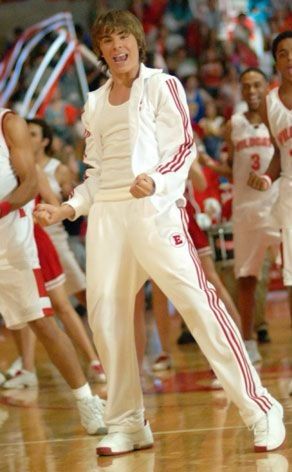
116 42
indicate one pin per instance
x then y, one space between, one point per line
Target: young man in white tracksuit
139 145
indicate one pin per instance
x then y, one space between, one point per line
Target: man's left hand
143 186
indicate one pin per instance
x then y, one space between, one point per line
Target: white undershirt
116 170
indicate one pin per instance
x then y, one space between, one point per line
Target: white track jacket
161 139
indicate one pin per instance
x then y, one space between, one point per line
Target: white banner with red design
63 45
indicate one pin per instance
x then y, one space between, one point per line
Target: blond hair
118 21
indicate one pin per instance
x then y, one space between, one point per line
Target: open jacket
161 139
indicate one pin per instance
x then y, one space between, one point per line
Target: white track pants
126 242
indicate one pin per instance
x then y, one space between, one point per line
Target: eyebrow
282 50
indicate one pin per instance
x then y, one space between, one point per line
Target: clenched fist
259 182
143 186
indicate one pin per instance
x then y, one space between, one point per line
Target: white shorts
75 277
287 256
250 248
23 297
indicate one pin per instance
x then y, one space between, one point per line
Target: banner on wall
63 49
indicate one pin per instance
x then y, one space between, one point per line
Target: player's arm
264 182
21 157
65 180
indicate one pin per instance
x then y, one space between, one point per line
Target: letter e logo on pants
177 239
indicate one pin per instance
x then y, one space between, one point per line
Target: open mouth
120 58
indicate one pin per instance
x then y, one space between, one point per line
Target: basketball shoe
269 431
22 379
119 442
91 411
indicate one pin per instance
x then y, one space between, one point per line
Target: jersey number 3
255 161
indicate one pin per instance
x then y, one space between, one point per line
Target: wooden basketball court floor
195 428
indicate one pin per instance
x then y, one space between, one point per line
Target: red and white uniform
130 239
280 121
75 278
253 228
23 296
51 267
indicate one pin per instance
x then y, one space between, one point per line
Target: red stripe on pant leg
221 317
263 402
224 319
227 321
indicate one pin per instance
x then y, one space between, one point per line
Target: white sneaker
120 442
96 372
15 367
22 379
162 362
252 350
91 412
269 431
2 378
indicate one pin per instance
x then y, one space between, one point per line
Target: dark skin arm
274 169
21 157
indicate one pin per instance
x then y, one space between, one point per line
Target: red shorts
52 270
199 237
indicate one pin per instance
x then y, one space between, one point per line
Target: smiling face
253 89
284 59
119 41
120 51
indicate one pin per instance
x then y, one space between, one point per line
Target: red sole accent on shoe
264 449
106 451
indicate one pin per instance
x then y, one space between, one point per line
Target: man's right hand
258 182
47 215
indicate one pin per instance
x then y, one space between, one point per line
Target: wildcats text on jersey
253 141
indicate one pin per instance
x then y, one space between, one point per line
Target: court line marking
157 433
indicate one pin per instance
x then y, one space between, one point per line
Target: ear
46 142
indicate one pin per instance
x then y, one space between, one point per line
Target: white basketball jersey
50 170
280 121
17 246
253 151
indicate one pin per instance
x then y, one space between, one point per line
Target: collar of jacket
144 74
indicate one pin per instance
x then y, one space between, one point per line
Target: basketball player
60 181
139 144
54 280
23 299
249 149
276 110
